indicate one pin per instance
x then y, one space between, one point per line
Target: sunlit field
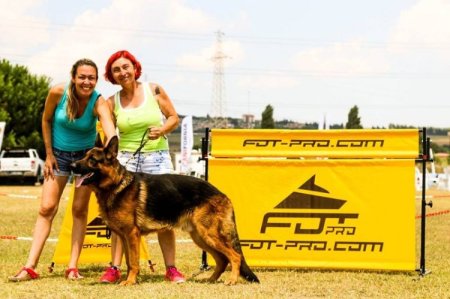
19 206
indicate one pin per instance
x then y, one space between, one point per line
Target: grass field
19 205
440 140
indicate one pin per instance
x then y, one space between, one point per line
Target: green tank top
133 122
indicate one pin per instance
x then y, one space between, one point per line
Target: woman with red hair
144 116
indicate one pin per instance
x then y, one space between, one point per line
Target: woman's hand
155 133
50 165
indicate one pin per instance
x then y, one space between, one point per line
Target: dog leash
138 150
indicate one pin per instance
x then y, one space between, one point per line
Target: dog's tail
246 272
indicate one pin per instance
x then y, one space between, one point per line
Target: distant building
249 120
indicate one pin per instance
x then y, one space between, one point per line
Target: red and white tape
56 240
23 238
434 214
19 195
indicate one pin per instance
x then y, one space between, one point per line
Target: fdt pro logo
99 233
309 196
97 227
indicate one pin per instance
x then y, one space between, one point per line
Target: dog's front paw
230 282
128 282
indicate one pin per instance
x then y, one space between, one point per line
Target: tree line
22 99
353 122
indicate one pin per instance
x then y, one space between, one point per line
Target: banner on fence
97 242
229 143
329 213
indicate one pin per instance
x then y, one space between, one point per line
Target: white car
22 164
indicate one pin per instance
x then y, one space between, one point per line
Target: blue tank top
78 134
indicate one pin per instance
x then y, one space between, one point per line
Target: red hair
125 54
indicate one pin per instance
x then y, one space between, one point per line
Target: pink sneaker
111 275
173 275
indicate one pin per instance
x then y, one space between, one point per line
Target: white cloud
428 21
184 18
418 43
140 26
203 58
175 39
421 37
341 59
135 26
19 29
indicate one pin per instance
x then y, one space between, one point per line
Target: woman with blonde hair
69 131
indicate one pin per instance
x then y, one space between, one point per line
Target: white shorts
158 162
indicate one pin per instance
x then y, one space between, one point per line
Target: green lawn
18 214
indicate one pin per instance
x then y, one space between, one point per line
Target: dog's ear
112 148
98 141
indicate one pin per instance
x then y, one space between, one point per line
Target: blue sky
310 60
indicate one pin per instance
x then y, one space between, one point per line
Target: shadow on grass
331 271
5 181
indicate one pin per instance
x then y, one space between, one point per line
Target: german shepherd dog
135 204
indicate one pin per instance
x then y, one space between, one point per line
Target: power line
242 71
179 35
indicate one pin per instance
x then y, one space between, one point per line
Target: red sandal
31 274
75 274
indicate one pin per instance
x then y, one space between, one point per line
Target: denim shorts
158 162
64 160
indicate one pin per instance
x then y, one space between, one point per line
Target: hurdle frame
424 157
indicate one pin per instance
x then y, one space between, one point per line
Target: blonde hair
72 98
